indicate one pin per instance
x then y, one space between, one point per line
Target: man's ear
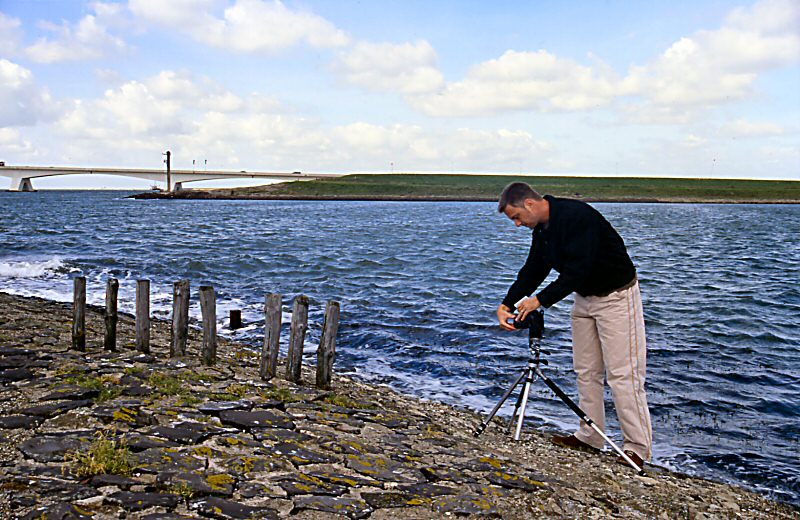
529 204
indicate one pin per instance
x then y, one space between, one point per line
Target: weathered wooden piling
297 338
180 318
326 353
272 332
111 316
79 314
208 307
143 316
235 319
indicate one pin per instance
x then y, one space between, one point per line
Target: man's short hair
515 194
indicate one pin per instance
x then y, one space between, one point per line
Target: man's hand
504 314
527 306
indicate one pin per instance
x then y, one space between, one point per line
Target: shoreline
208 195
364 449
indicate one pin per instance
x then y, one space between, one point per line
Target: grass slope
487 187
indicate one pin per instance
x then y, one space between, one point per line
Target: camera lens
524 324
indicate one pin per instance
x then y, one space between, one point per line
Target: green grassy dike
487 187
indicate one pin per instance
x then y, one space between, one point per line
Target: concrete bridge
21 175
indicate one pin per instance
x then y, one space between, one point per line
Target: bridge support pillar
21 184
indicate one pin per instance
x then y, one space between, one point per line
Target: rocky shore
122 434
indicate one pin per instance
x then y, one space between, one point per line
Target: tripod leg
582 415
513 419
480 429
523 402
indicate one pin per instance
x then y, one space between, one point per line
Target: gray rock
427 490
299 455
10 422
181 434
386 499
165 516
53 409
280 434
242 465
384 469
215 407
137 442
229 510
302 484
194 482
256 419
14 362
15 374
259 490
156 460
122 412
509 480
352 507
465 505
238 441
140 501
47 448
345 480
58 490
434 473
120 481
58 512
137 390
72 392
13 351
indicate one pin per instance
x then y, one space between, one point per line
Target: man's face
524 215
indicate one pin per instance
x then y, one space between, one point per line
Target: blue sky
679 88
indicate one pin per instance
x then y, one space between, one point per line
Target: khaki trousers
609 340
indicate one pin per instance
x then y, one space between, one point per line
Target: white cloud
705 69
88 39
198 119
410 68
22 101
248 26
195 116
693 141
12 143
523 81
10 35
413 147
743 128
713 67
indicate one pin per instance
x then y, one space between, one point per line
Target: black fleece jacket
582 246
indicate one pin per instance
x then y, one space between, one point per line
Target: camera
524 324
534 322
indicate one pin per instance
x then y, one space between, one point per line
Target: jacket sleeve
579 243
531 275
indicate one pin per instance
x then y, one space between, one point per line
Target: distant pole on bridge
169 166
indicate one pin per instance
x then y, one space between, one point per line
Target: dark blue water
419 285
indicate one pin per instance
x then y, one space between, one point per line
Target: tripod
535 325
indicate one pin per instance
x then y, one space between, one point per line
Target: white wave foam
32 269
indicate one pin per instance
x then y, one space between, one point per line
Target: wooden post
180 318
112 290
298 336
235 319
272 337
326 352
143 316
208 307
79 314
